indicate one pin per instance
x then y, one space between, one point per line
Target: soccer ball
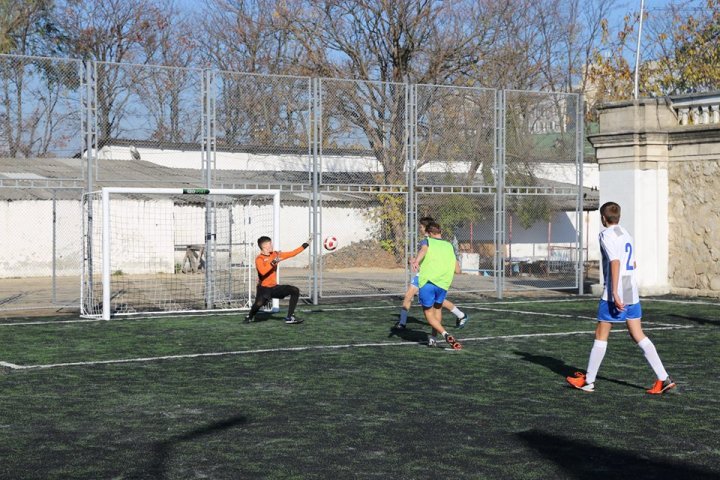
330 243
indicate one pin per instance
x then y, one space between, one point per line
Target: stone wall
662 164
694 227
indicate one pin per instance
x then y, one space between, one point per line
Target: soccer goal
169 250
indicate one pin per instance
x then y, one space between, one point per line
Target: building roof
64 178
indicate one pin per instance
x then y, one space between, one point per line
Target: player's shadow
563 369
162 451
262 317
698 320
408 334
266 316
586 460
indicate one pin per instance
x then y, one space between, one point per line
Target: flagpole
637 53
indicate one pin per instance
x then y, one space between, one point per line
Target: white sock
653 358
444 334
596 357
457 312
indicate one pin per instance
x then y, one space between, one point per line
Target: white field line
504 310
681 302
562 315
51 322
303 349
318 309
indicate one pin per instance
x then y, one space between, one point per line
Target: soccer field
340 396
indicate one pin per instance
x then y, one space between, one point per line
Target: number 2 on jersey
628 265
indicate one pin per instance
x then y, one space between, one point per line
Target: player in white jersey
619 303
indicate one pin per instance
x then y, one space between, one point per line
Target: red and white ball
330 243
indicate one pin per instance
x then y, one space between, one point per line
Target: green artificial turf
340 396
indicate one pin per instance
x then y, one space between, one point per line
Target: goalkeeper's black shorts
278 291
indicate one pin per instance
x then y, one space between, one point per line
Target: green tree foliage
689 54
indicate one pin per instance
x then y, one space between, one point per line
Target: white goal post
170 250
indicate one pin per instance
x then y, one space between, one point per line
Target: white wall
26 234
642 196
532 243
150 236
564 172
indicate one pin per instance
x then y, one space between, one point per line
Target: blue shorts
608 312
415 282
430 295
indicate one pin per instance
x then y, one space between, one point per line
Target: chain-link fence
41 249
542 191
41 179
357 163
148 122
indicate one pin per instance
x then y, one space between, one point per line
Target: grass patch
497 409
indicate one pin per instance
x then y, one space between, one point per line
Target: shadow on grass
586 460
417 336
561 368
265 317
409 334
162 451
698 320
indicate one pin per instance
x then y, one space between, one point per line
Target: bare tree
110 31
27 27
247 37
171 92
31 90
392 42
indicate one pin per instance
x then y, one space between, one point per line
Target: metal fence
359 161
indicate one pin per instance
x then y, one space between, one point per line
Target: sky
625 7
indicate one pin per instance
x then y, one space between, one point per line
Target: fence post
315 125
88 118
88 124
411 162
208 152
499 260
580 152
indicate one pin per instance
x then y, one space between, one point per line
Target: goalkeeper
267 288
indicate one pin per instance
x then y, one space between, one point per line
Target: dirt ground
367 253
359 269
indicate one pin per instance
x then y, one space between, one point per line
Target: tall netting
357 160
455 175
363 132
368 254
542 190
362 144
173 252
263 127
148 117
41 172
455 135
40 108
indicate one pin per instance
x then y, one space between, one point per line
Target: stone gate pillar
662 165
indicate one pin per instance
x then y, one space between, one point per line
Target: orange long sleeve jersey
267 272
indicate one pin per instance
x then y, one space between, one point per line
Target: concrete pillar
632 153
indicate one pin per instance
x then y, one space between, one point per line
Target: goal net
168 250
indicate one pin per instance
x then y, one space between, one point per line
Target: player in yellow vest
438 265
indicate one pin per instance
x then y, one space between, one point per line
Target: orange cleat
578 381
454 344
662 386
